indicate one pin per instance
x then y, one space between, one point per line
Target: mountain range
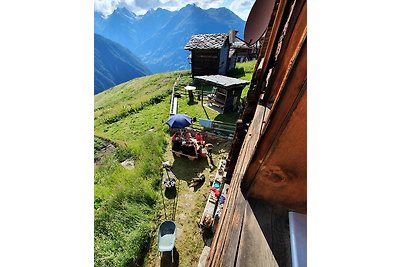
159 36
114 64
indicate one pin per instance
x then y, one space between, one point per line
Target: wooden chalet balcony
268 160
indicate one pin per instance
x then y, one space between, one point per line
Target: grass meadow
131 116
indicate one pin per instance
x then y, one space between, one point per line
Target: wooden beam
288 84
265 238
241 224
295 36
233 212
282 175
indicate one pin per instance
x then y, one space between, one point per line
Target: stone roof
206 41
240 44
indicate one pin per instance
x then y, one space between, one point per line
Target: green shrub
98 144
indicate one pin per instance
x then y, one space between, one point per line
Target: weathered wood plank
282 106
295 37
254 249
243 224
282 177
235 202
258 82
287 80
228 255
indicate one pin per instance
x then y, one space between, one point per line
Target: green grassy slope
132 116
244 71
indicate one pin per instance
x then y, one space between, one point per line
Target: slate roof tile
206 41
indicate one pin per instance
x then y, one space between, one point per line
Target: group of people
184 142
186 136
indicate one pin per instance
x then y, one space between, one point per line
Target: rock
128 164
110 147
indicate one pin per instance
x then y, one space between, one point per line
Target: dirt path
190 205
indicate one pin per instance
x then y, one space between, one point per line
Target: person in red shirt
176 142
174 137
199 137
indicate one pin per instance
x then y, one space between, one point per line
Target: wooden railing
174 101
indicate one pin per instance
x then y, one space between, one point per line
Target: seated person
176 142
184 149
173 138
199 138
176 146
209 148
192 150
188 135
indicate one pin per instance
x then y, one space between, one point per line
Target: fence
174 100
217 127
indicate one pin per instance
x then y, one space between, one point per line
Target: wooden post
202 95
238 139
191 97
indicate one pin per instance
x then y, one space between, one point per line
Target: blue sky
139 7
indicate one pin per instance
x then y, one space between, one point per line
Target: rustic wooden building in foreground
226 96
210 53
267 165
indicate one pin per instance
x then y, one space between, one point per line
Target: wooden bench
178 154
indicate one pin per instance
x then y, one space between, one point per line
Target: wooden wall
278 171
223 58
269 173
205 62
211 61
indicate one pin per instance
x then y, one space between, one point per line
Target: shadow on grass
166 259
237 72
198 186
185 169
230 117
170 193
192 102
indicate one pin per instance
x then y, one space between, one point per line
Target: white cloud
241 7
141 6
105 6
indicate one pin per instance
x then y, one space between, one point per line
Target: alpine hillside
159 36
114 64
